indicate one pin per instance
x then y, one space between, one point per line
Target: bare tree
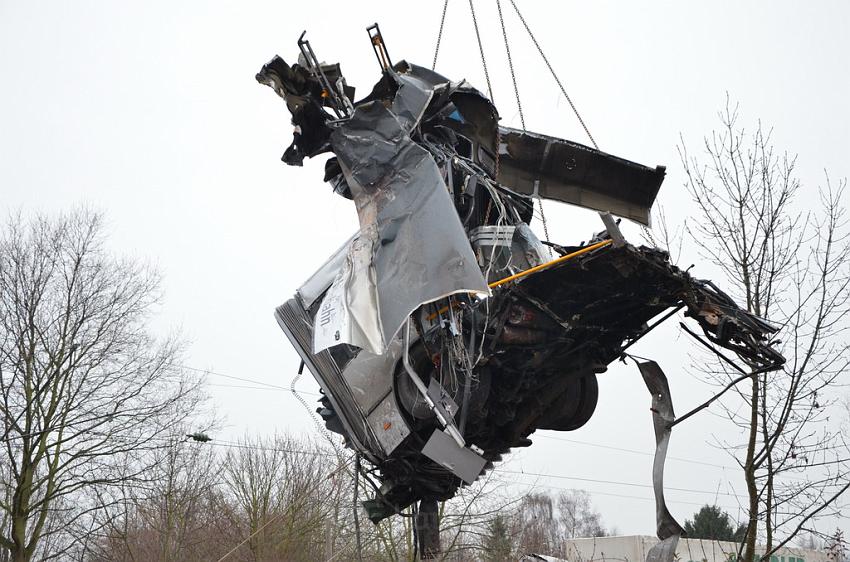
543 523
177 514
537 523
85 390
790 265
464 525
466 519
282 499
577 516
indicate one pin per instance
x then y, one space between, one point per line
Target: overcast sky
149 112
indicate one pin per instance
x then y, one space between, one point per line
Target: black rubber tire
587 404
584 394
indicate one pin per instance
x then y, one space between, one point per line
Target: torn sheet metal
348 311
667 528
412 248
572 173
411 99
665 551
527 250
338 398
317 285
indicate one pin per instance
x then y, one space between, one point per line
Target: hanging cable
440 35
481 50
414 510
545 225
354 506
552 71
322 429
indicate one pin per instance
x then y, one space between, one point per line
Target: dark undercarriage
546 338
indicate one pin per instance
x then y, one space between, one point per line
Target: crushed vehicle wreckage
444 333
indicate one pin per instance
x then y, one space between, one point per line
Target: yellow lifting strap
556 261
531 270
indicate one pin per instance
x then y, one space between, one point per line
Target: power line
648 454
224 443
239 445
611 494
551 437
232 445
265 385
223 375
618 483
270 386
216 442
634 451
298 390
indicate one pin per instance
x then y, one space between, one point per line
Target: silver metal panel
613 229
387 424
665 551
492 245
528 251
462 462
411 99
370 376
440 396
319 282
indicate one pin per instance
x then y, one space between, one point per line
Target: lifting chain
519 108
555 76
510 64
440 35
513 80
481 50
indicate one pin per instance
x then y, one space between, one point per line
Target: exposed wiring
354 506
322 429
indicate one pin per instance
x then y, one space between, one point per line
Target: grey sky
149 112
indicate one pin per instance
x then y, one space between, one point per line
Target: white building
635 548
